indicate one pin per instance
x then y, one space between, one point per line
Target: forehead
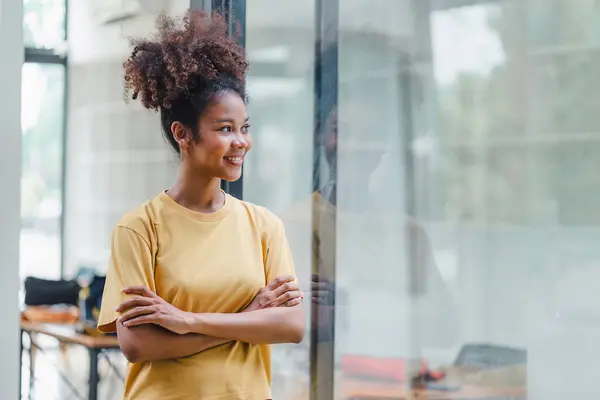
359 122
226 105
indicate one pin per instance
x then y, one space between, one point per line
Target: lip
234 160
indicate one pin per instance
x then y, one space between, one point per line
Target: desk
66 334
354 389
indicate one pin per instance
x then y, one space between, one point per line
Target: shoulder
414 228
264 219
141 220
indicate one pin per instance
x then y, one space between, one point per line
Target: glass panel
395 299
44 23
42 161
278 170
518 144
458 217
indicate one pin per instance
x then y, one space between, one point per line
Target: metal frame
326 82
44 56
64 151
35 55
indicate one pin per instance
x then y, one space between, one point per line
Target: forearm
266 326
151 342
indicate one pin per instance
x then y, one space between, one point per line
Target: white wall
116 156
10 161
91 40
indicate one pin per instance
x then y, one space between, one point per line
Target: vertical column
11 43
63 192
325 151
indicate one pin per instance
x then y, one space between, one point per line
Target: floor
52 366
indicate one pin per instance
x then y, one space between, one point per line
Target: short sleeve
131 264
279 259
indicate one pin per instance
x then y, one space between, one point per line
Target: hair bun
186 53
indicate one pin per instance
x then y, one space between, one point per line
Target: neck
351 197
197 192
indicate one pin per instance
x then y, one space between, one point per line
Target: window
44 23
43 126
455 211
41 180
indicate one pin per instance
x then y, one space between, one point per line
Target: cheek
217 147
249 142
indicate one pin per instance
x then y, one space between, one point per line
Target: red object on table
390 369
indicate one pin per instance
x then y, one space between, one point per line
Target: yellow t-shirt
202 263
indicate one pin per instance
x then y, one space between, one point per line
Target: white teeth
234 158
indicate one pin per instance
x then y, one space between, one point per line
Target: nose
240 142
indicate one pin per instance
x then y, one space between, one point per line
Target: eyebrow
230 120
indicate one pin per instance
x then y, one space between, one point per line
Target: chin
231 177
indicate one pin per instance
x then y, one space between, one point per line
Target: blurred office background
466 130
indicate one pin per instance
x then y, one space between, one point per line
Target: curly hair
180 70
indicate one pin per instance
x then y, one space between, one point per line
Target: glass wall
278 171
433 162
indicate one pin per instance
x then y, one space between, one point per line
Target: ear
181 134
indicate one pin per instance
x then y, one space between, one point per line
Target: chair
487 356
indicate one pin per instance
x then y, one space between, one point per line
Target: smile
234 160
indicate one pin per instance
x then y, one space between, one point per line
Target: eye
246 128
226 128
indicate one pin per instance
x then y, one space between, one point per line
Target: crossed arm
152 329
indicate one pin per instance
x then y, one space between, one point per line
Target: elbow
297 328
132 354
130 345
297 335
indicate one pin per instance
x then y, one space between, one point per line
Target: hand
283 291
323 291
149 308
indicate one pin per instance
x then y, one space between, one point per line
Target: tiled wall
116 159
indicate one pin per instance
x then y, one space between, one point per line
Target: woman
185 289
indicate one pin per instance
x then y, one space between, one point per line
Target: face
224 138
365 146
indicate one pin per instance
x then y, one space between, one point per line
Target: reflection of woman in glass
350 236
185 288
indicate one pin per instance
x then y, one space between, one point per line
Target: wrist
194 323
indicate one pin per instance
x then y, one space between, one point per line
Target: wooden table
67 334
353 389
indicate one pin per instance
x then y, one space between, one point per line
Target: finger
141 290
294 294
293 302
320 301
136 312
321 297
144 319
280 280
134 302
286 287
